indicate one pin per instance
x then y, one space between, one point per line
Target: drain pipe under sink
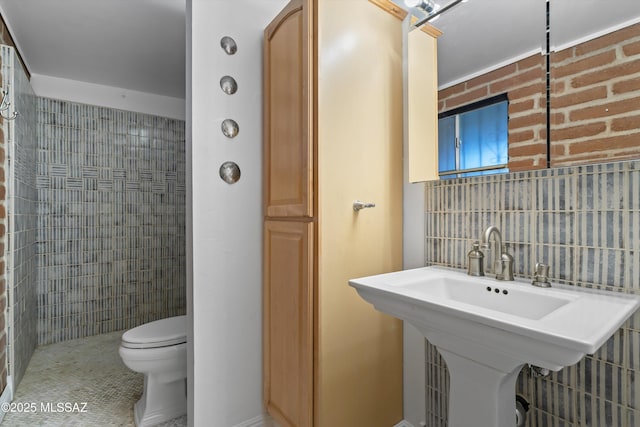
522 407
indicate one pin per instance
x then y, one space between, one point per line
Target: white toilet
159 351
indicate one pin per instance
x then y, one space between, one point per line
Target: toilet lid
159 333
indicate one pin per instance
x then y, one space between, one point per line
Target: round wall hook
228 85
230 172
228 45
230 128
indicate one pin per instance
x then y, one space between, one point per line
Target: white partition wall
225 251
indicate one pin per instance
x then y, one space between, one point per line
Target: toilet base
160 402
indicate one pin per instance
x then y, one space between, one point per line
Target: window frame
464 109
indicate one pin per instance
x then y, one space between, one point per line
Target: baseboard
6 397
254 422
259 421
266 421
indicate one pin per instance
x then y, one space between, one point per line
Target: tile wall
3 234
22 211
111 219
584 222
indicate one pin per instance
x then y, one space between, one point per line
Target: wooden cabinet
333 133
288 314
288 139
421 96
289 226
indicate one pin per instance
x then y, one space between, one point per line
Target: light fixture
435 13
433 10
424 5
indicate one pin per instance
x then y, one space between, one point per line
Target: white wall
413 241
225 250
108 96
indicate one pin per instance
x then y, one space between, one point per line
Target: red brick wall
595 100
524 84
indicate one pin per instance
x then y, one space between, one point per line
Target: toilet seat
159 333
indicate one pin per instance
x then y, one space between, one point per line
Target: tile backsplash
111 219
583 221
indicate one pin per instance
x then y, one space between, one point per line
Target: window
473 140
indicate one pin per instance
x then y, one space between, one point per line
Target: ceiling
131 44
140 44
479 35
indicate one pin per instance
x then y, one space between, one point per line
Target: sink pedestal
480 395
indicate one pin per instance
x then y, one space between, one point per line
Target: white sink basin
492 296
486 330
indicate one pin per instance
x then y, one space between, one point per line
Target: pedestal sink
486 330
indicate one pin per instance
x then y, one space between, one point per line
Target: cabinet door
288 322
422 105
288 130
359 354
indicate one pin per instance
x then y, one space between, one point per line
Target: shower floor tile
81 382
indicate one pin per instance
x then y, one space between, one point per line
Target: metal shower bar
438 12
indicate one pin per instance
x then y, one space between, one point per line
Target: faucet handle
541 275
542 270
475 266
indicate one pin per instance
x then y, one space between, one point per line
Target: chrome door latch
358 205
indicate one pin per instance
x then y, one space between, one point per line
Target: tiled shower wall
111 219
22 210
584 222
5 39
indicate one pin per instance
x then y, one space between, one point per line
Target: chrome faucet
502 261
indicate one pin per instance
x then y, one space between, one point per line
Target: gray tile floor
62 377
